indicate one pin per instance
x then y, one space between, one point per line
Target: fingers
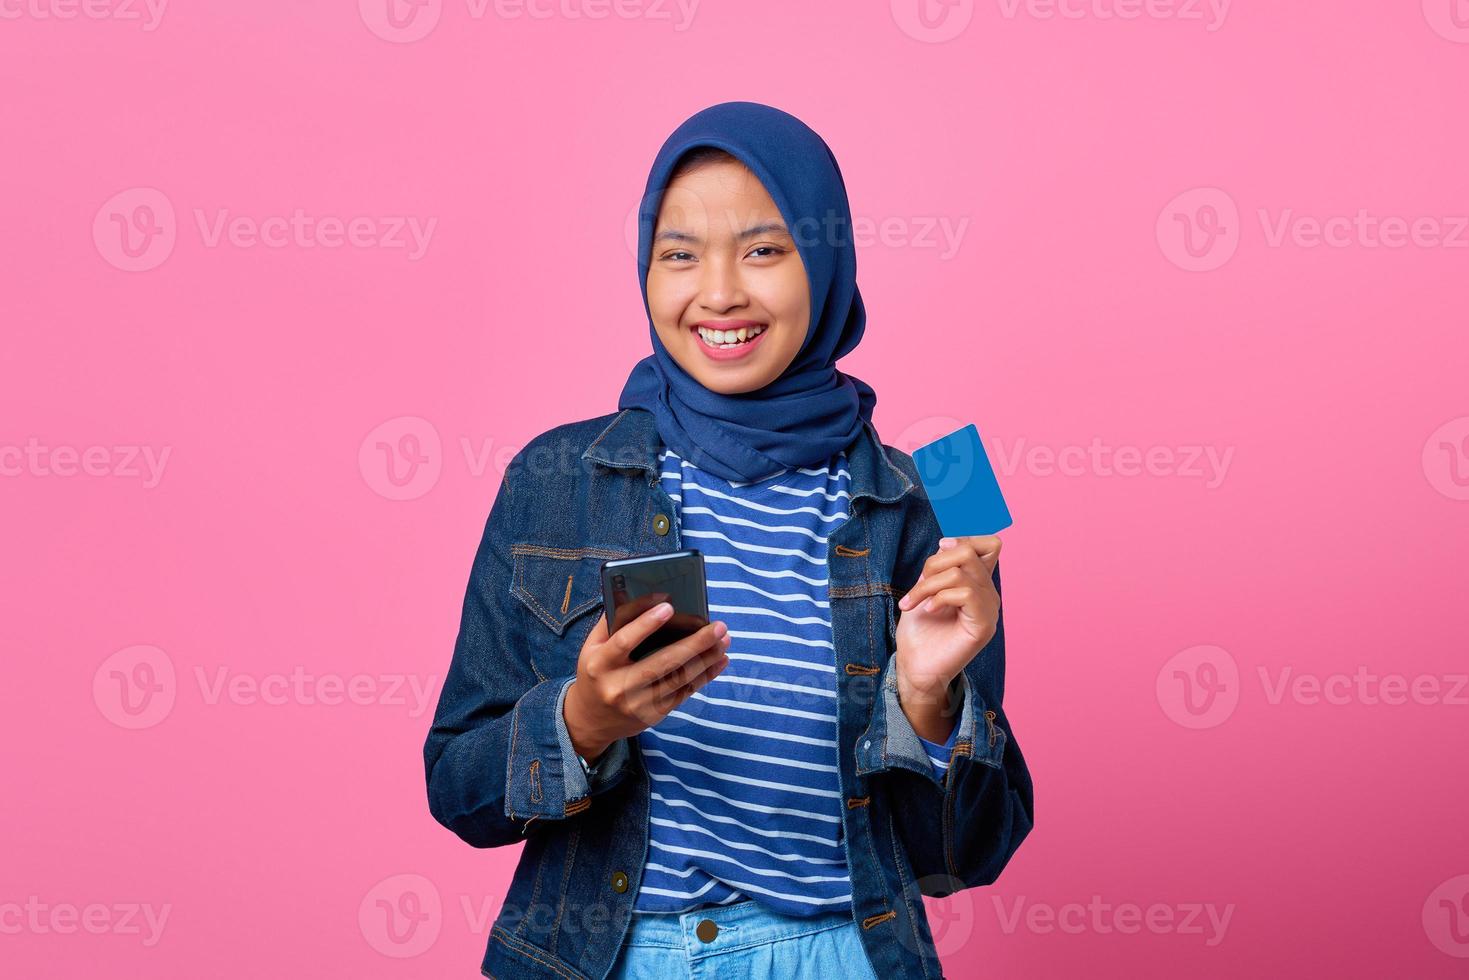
646 689
650 699
676 654
712 667
678 685
946 558
931 584
958 597
598 635
972 605
986 546
686 622
624 611
976 552
623 642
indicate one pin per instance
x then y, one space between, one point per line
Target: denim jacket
500 764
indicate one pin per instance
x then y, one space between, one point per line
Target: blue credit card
961 485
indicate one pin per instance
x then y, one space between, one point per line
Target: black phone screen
632 586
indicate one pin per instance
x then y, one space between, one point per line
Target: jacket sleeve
960 827
498 758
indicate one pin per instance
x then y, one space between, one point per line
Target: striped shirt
746 793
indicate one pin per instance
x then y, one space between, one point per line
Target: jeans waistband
739 925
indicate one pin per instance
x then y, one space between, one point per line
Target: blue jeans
746 941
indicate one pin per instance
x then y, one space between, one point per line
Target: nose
720 286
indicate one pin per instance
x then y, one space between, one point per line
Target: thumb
599 632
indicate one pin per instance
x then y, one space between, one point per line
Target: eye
770 250
679 256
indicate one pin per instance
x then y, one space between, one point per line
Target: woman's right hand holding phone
614 696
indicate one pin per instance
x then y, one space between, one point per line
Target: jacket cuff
891 741
543 777
607 767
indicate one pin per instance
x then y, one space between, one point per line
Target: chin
727 384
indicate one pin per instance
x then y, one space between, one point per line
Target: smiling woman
770 796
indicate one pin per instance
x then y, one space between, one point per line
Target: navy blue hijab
812 410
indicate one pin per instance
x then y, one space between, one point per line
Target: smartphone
632 586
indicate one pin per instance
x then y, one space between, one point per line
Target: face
727 289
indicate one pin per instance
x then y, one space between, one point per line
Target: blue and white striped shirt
746 794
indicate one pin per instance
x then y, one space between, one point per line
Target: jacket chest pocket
560 587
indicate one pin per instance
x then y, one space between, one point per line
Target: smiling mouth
729 339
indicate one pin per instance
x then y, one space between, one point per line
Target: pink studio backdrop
286 285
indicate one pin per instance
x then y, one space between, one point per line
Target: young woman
771 796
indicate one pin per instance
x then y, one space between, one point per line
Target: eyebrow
768 227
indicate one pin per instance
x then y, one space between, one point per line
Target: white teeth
730 338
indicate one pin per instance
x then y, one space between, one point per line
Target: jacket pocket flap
559 584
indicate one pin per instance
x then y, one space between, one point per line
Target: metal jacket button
619 881
660 525
707 930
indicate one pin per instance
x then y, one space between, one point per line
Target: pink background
1115 284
